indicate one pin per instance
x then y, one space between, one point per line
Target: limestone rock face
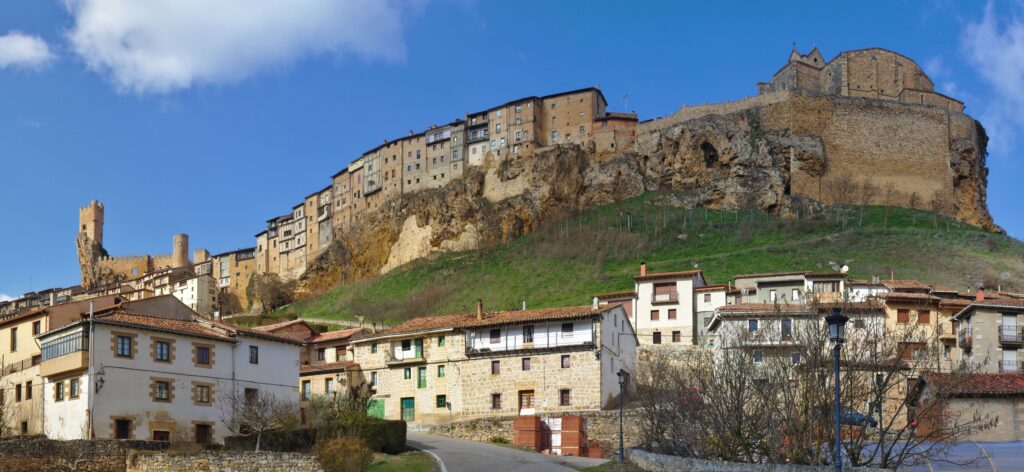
765 157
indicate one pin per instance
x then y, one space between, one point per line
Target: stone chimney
479 309
643 269
980 296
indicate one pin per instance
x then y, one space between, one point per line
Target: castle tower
179 258
90 221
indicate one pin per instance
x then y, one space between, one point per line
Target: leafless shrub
249 412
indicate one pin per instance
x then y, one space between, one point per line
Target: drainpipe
92 379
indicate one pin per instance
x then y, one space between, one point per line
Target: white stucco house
127 376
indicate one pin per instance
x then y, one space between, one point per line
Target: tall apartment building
543 361
991 333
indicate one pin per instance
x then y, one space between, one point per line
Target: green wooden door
375 409
409 409
421 377
418 347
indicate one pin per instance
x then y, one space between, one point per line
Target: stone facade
661 462
223 461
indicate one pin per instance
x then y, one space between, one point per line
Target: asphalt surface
1005 457
459 455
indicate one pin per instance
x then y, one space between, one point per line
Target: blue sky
209 117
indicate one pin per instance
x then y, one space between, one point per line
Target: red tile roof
469 320
905 284
910 296
668 275
333 335
276 326
265 335
1012 303
711 288
977 385
325 368
605 296
770 274
190 328
769 308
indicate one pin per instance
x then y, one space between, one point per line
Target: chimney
524 305
980 296
596 305
643 269
479 309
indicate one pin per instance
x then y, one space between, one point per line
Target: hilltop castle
868 117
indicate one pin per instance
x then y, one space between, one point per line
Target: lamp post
623 377
837 334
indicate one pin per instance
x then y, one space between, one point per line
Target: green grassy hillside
599 250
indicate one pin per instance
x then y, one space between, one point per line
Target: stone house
985 396
160 376
541 361
990 334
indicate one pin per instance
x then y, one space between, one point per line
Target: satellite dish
844 269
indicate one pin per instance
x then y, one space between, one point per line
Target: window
903 316
495 401
37 326
707 298
251 395
14 339
373 348
526 363
441 401
17 393
73 390
162 391
162 351
794 358
672 314
306 390
440 341
796 294
373 379
202 394
772 295
407 373
655 315
924 316
329 386
656 337
440 371
124 346
162 436
254 354
787 329
564 397
495 336
495 367
752 326
566 330
858 323
527 334
28 390
566 362
203 356
758 356
122 429
58 391
203 433
321 354
677 336
24 428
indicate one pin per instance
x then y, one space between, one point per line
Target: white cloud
24 51
995 48
159 46
5 297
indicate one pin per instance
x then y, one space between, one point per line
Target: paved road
459 455
1006 457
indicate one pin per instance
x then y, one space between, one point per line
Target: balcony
665 299
1009 367
965 339
405 352
1010 336
475 135
945 331
64 354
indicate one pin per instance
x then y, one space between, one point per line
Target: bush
347 454
499 440
385 436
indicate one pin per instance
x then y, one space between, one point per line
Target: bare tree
335 416
271 292
868 193
890 194
940 204
249 412
7 402
914 201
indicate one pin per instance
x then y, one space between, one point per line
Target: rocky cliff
800 147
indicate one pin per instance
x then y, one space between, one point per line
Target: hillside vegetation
599 250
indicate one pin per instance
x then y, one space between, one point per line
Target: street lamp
837 334
623 377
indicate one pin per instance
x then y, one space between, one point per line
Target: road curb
440 463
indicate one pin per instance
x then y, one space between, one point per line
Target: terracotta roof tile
824 275
769 274
469 320
276 326
265 335
711 288
978 385
905 284
603 296
910 296
334 335
769 308
668 275
191 328
329 367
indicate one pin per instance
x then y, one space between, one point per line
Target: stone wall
602 426
661 462
223 462
40 453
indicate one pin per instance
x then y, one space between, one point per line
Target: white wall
545 334
67 419
684 312
618 351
